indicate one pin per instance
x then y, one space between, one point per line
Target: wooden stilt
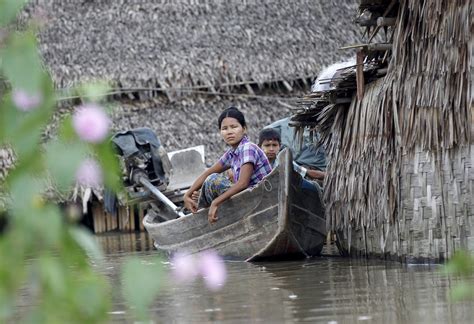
131 217
141 214
107 221
101 219
94 219
126 221
119 219
114 221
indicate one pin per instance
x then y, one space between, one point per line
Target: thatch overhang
401 153
182 44
206 49
194 121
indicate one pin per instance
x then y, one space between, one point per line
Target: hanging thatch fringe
431 61
180 43
362 162
401 159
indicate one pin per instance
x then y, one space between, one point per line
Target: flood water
319 290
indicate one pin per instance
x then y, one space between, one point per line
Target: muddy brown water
320 290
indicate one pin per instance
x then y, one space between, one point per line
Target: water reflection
323 290
119 243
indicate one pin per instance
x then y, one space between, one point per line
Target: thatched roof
188 44
423 104
194 121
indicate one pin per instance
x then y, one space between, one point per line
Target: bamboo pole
141 215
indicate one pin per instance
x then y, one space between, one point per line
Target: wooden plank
102 220
123 219
94 219
384 21
360 74
119 219
141 214
114 221
131 213
104 217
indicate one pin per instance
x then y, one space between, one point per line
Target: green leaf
66 130
53 274
94 91
462 263
44 226
87 241
110 165
91 300
50 224
12 271
21 63
23 129
31 214
62 160
462 291
9 9
141 283
25 190
9 117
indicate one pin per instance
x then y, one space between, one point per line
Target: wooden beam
353 46
381 72
379 47
140 217
360 74
131 213
383 21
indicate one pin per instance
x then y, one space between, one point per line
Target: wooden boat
275 219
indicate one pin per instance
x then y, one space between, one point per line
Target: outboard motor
146 165
143 154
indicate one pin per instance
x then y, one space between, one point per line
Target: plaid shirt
247 152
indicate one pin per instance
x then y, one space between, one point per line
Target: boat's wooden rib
275 219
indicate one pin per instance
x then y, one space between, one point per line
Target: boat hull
278 218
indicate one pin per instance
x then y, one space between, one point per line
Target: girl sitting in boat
247 161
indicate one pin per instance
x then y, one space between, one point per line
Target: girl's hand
190 204
195 196
212 216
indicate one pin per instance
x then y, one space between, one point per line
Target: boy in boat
248 162
269 141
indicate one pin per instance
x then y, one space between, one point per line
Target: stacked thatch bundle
186 50
194 120
175 64
187 44
401 156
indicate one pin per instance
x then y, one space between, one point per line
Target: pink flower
185 269
89 173
208 264
25 101
212 268
91 123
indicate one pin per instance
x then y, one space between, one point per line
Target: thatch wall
218 47
254 48
194 121
163 44
401 181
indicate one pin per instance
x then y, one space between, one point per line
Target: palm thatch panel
194 121
432 58
401 181
191 43
362 189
